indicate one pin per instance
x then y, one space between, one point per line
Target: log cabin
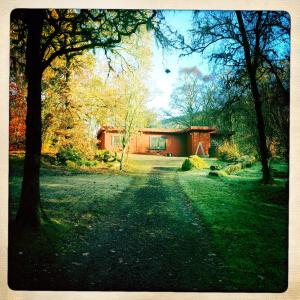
194 140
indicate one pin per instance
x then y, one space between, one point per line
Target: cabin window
157 143
116 141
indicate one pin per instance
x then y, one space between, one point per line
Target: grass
152 227
248 222
74 200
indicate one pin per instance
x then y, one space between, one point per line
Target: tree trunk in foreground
29 209
261 132
251 69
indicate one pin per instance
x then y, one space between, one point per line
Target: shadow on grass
153 243
249 225
166 169
148 239
152 236
33 252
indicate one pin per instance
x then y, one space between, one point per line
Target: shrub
105 155
71 164
50 159
193 161
88 163
232 168
115 165
85 163
247 161
68 153
217 173
215 167
228 152
93 163
187 165
99 154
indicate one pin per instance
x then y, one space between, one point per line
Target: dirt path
150 240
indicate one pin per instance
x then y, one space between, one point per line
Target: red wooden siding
178 142
196 138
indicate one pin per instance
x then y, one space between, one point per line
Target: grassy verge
248 222
74 200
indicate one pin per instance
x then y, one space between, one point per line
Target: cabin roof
162 130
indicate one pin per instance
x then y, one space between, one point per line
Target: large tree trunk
251 69
29 209
261 130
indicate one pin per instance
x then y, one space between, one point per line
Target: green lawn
248 222
153 227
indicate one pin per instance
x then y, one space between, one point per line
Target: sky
162 83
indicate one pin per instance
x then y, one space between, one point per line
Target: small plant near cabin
217 173
88 163
68 153
71 164
247 161
230 169
194 162
105 155
71 158
215 167
228 152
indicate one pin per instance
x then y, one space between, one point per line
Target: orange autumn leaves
17 117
